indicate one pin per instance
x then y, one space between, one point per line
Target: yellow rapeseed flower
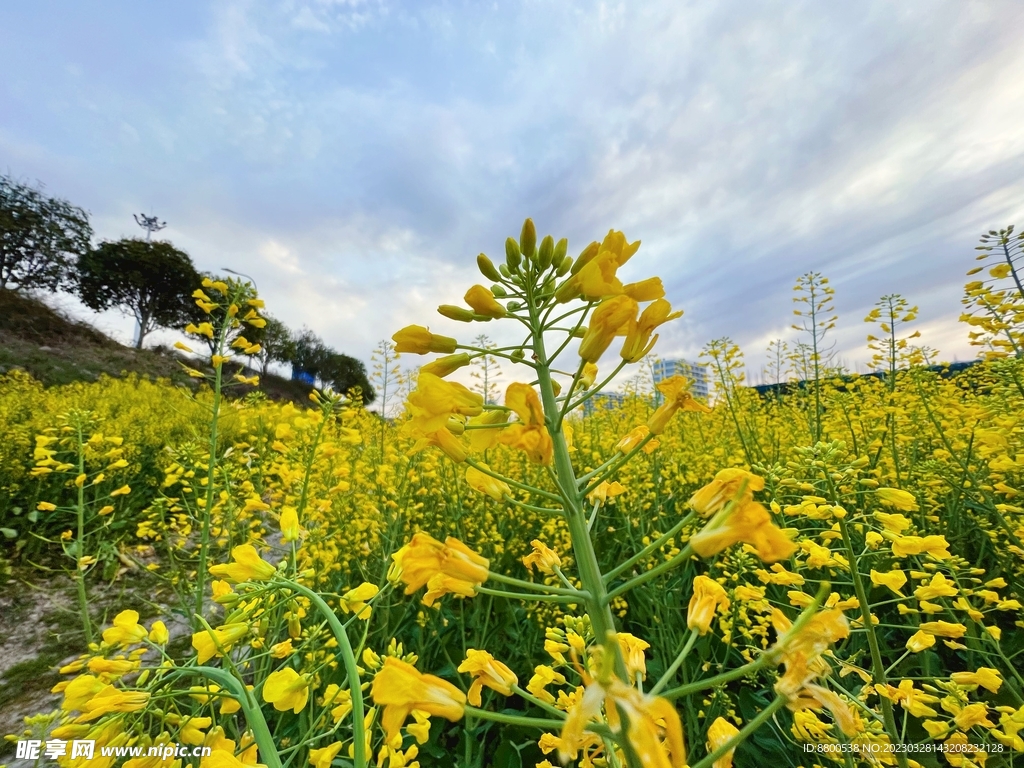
676 390
485 484
749 523
483 303
443 568
286 689
894 580
610 316
708 597
486 671
210 643
543 557
126 630
247 565
401 688
729 485
529 434
899 499
719 734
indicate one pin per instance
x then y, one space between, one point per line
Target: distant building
698 374
603 400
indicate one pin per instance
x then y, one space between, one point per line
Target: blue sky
354 156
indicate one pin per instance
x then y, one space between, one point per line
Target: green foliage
151 281
276 343
341 372
40 237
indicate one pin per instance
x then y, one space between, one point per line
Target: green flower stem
501 717
654 572
572 388
83 597
211 468
768 657
572 334
652 547
573 592
595 389
746 732
532 508
253 715
534 700
618 463
351 669
497 353
593 473
596 600
575 599
674 667
878 676
521 486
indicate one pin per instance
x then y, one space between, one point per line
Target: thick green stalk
351 669
83 598
601 618
878 676
675 665
211 469
253 715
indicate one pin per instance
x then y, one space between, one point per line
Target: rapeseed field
825 572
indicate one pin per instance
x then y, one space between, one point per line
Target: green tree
40 237
309 353
345 374
153 282
276 343
341 372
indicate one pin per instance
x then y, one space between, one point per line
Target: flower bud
419 341
483 303
499 290
503 269
487 267
517 355
588 253
558 254
513 258
445 365
564 265
568 290
528 239
453 312
547 251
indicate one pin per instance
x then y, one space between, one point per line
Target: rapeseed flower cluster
665 582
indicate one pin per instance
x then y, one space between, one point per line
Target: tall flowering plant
573 312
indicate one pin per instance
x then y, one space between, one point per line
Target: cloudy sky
353 156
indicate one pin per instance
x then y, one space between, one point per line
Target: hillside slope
56 349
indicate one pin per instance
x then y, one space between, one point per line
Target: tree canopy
152 281
40 237
343 373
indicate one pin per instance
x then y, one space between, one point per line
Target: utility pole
151 224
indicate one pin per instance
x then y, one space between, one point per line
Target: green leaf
9 533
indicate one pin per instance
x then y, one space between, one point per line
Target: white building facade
698 374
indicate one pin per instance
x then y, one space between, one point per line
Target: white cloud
355 156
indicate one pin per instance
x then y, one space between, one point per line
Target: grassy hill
56 349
